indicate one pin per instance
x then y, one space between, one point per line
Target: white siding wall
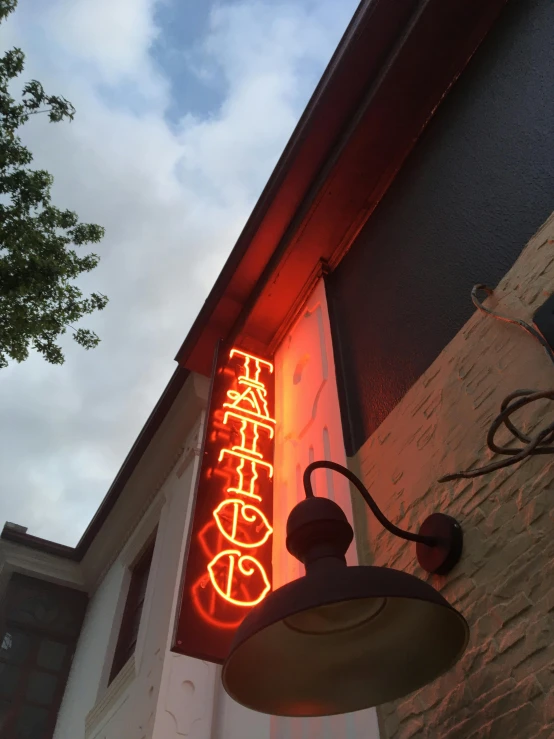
192 702
128 707
158 695
89 660
185 701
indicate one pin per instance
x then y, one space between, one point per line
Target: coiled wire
542 441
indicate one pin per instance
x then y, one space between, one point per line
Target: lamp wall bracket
439 541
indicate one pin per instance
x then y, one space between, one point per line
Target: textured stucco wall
504 584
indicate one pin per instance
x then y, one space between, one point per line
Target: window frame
135 599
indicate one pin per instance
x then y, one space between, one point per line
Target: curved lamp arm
430 541
439 539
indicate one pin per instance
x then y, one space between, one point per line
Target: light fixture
341 638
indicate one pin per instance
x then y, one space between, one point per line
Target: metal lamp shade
342 639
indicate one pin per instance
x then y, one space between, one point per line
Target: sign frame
227 565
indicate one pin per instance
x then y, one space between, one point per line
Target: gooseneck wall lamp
345 638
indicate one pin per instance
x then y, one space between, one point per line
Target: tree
38 299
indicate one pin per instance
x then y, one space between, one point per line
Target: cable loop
539 443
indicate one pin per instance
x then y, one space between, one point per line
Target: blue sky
183 26
183 108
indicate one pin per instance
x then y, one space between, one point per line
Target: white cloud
113 36
173 199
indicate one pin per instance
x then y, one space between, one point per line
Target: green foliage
38 300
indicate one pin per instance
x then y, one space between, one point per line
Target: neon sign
248 566
228 569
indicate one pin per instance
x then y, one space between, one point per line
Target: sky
183 108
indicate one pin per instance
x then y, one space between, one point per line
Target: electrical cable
541 442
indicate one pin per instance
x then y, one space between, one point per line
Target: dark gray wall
476 187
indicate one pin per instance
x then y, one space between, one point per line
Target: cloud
114 37
173 193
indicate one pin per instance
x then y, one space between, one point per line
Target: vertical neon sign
228 568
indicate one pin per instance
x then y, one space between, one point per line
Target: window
41 625
128 632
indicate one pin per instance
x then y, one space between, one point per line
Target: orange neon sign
244 563
246 409
229 565
203 596
239 508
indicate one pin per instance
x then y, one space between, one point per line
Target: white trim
16 558
194 456
111 697
103 684
129 551
147 480
155 501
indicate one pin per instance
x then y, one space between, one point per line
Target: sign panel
228 567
